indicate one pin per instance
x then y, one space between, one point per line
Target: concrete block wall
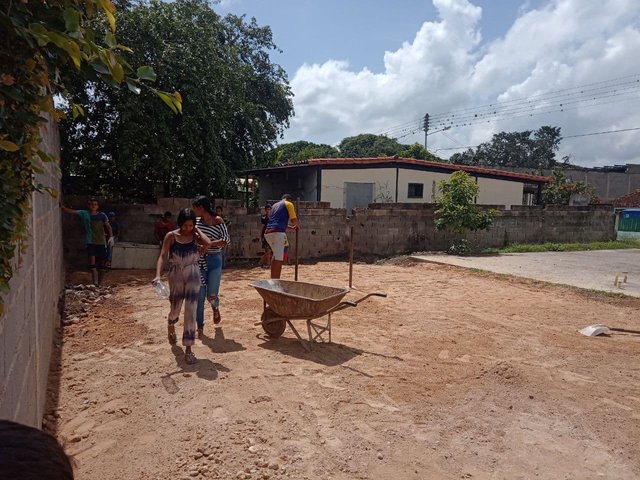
31 306
385 229
136 220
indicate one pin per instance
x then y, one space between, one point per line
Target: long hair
204 202
186 214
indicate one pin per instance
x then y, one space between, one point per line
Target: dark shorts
98 251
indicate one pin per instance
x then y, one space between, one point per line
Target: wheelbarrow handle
354 303
373 294
342 306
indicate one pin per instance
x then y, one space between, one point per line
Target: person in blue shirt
96 228
283 216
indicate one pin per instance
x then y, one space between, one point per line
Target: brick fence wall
380 230
31 306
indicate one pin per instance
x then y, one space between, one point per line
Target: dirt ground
456 374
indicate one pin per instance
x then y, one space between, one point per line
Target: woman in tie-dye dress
182 245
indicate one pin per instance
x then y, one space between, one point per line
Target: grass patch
565 247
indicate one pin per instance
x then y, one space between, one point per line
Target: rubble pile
78 300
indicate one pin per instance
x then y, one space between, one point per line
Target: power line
557 100
551 94
602 133
566 136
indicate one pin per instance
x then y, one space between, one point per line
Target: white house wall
428 179
333 189
499 192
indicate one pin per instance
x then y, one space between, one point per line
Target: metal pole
351 257
296 250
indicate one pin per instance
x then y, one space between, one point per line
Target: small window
416 190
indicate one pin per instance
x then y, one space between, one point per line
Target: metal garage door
358 195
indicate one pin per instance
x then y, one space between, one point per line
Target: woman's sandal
173 338
190 358
216 316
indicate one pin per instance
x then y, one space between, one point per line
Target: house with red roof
357 182
631 200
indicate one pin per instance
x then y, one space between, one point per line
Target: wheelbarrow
285 301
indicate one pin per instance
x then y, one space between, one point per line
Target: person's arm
293 219
67 209
107 227
164 252
225 235
205 241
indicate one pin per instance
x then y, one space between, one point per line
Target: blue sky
359 66
359 31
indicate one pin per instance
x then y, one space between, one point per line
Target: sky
377 66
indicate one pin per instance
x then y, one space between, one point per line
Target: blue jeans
209 291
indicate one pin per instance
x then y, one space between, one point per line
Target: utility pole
425 127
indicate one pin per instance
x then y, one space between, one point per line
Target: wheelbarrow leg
316 331
305 345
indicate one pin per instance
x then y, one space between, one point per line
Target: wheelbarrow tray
298 300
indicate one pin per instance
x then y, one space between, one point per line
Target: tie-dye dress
184 285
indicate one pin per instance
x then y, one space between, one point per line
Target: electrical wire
557 100
563 137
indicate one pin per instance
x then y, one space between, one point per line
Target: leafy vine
42 42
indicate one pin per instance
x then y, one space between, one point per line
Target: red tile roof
630 200
424 163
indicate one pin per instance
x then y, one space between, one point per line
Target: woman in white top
211 261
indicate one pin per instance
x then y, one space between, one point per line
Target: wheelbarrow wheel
274 329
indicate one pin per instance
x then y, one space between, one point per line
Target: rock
274 466
75 439
380 456
253 449
197 456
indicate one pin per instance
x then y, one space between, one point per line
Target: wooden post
297 230
351 257
246 195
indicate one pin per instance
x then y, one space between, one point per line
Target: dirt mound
505 373
399 261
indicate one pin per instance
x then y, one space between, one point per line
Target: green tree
369 145
42 44
236 104
529 149
457 211
417 151
560 189
299 151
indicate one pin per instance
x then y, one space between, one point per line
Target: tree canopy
43 45
529 149
458 212
301 150
560 190
236 103
369 145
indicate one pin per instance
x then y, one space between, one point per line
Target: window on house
416 190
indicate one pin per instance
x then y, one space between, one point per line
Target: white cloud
446 66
